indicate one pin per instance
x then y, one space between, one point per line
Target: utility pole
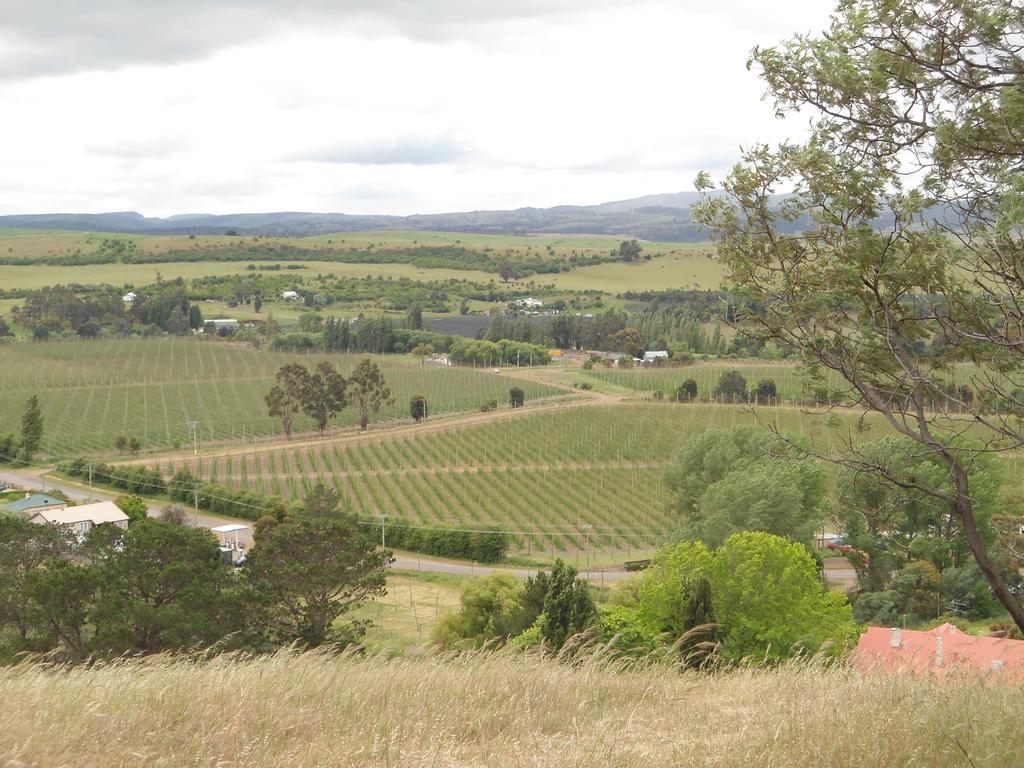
383 517
195 437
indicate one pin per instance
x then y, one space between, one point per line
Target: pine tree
31 429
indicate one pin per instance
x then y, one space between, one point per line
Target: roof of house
938 651
34 501
654 353
100 512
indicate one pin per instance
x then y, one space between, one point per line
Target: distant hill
652 217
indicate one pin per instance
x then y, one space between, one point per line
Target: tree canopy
901 226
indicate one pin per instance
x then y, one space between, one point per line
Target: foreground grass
494 710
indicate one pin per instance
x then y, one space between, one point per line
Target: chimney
895 640
938 651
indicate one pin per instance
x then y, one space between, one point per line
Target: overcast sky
376 106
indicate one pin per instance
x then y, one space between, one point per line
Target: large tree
24 549
897 253
322 394
285 399
163 588
367 390
309 571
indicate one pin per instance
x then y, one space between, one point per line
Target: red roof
939 651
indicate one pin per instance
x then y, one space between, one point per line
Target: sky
377 106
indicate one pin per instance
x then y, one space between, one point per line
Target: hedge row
132 479
481 546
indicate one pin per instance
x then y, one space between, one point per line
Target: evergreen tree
31 429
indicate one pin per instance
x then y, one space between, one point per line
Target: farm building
290 295
83 518
34 502
529 303
655 356
940 651
130 296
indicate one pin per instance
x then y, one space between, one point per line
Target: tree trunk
965 509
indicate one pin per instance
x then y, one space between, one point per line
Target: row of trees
92 311
162 586
323 393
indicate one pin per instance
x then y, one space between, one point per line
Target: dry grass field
495 710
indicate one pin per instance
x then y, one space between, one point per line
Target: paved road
34 478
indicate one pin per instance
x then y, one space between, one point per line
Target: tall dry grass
494 710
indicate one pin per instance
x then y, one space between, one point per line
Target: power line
604 532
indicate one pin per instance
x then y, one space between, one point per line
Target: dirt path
582 398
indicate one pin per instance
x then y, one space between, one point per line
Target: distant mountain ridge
664 217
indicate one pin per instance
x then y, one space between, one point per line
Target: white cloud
388 107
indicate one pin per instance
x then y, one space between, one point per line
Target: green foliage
491 609
762 593
367 390
566 605
766 391
687 391
503 352
323 394
629 250
853 268
308 572
897 524
285 399
164 588
418 407
744 479
776 495
61 596
662 596
516 398
24 548
133 506
31 429
731 386
626 630
771 603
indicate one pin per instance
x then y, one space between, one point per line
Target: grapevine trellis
93 391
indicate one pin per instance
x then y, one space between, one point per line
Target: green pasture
686 266
152 389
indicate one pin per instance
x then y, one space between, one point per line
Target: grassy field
575 479
496 710
92 392
686 266
406 615
40 242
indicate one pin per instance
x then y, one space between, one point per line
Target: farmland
566 479
92 392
